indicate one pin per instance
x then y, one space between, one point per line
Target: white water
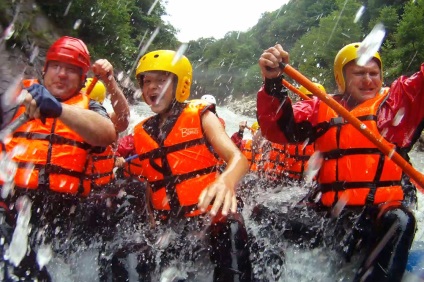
311 265
300 265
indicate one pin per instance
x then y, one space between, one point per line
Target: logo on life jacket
188 131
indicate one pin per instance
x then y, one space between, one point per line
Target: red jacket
126 146
237 138
288 122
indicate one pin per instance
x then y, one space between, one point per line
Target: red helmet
69 50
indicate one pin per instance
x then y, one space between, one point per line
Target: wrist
274 87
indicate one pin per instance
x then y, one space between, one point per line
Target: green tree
409 39
313 54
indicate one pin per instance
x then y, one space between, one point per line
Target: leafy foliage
312 31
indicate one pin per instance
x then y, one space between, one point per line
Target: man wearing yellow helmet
177 152
354 173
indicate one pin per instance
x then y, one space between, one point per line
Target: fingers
227 204
104 69
119 162
31 108
201 203
223 198
233 204
270 60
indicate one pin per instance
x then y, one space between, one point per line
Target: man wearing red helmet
367 199
64 129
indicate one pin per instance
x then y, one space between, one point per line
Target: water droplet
305 143
44 255
314 165
9 31
34 54
384 132
359 14
363 126
398 117
120 76
77 24
371 44
339 206
392 152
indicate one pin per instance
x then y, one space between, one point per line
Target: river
310 265
300 264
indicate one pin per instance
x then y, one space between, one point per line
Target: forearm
93 128
121 115
269 113
236 168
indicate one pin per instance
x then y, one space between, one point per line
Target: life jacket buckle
337 121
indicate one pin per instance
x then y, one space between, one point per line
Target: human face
158 90
362 82
62 80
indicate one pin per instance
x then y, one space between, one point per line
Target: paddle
130 158
23 118
388 151
295 90
91 86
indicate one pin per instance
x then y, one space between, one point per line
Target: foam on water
299 264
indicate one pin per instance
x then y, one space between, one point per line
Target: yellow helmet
307 92
169 61
347 54
255 126
98 93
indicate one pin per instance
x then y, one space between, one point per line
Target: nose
367 77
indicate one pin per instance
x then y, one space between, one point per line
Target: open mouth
154 98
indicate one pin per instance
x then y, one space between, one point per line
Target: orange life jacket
297 159
253 155
177 166
55 156
247 151
274 161
100 167
353 168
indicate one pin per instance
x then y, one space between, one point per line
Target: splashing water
398 117
152 7
13 95
9 31
382 243
8 168
173 274
67 9
314 164
359 14
392 152
341 203
179 54
18 247
166 239
371 44
44 255
300 265
305 143
77 24
34 54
